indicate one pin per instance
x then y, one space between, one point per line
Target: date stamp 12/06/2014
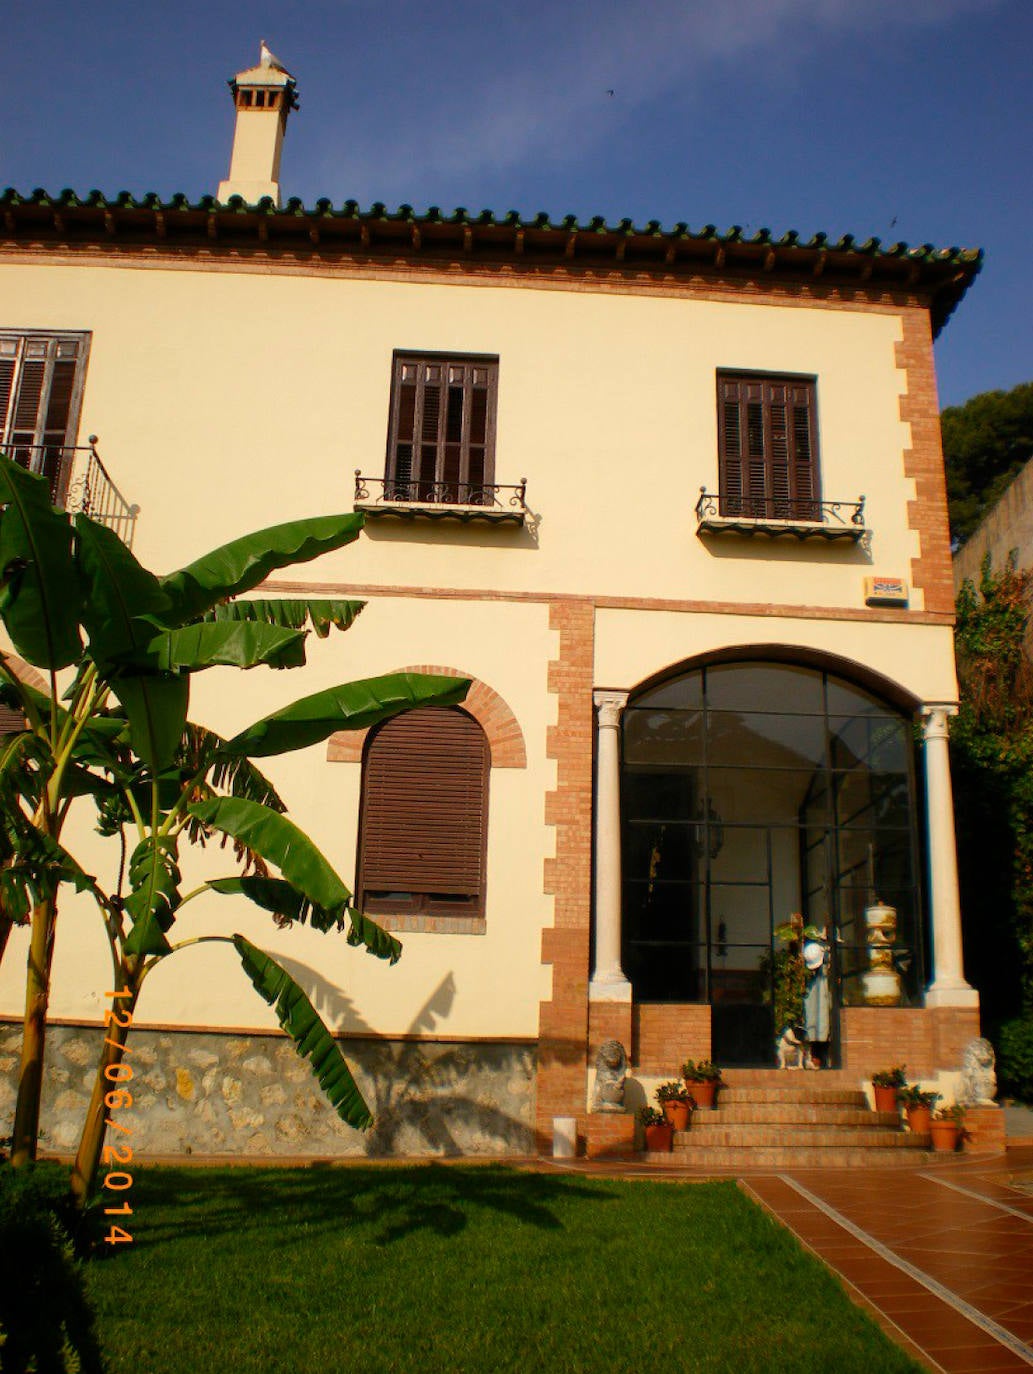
119 1098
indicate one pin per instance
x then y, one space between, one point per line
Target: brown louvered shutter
423 820
441 439
12 722
40 381
767 447
730 448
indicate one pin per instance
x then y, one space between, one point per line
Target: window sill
495 505
415 923
838 520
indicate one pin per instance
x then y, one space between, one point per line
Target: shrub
45 1321
1015 1059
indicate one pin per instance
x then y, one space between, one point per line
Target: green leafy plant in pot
702 1080
658 1131
918 1107
886 1084
675 1103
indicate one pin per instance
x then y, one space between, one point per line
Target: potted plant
947 1128
702 1081
658 1130
887 1084
675 1103
918 1107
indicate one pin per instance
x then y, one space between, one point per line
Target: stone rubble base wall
205 1093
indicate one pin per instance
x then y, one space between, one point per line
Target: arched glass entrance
751 792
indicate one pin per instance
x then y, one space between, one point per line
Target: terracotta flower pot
919 1119
702 1094
885 1098
945 1135
677 1114
659 1138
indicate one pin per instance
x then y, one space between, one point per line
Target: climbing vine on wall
992 759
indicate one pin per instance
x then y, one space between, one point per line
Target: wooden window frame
34 444
763 474
431 474
446 904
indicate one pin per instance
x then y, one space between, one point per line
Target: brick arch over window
489 710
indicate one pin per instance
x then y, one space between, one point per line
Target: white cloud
497 93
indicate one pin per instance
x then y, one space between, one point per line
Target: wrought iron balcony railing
79 481
491 501
802 517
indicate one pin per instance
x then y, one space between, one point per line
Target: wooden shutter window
441 436
12 722
40 390
423 816
767 447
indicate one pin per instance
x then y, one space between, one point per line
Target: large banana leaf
278 841
365 931
237 567
312 1040
352 706
295 614
288 905
154 877
195 647
120 591
156 708
121 597
40 592
202 751
283 900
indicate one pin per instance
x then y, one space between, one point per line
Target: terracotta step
789 1157
829 1078
754 1137
794 1113
734 1096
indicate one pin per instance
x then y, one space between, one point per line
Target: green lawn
436 1269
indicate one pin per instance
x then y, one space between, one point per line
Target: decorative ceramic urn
881 981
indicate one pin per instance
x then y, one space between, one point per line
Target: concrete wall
1009 525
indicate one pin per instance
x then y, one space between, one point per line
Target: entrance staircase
772 1119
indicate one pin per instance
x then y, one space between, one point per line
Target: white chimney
264 96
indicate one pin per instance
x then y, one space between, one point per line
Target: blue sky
905 119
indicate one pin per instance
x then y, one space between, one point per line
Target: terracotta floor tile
977 1360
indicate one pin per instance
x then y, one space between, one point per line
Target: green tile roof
941 275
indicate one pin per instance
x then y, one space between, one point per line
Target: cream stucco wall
470 985
230 399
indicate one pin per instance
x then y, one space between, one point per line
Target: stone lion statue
978 1079
611 1069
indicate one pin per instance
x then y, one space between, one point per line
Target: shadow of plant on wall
443 1097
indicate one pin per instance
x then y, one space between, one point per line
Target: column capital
609 705
935 716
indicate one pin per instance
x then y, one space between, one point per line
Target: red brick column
563 1021
923 461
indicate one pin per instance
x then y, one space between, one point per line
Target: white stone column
948 988
608 983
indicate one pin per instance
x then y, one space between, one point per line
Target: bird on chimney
266 58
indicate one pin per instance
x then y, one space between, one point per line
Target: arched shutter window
424 814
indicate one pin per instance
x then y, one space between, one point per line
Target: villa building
673 499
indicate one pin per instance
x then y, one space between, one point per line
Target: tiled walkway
941 1255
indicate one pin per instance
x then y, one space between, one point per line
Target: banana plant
126 643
